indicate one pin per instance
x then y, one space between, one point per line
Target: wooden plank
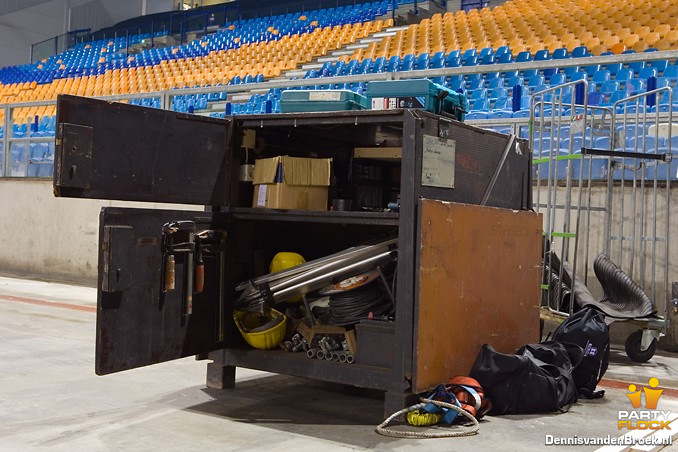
478 283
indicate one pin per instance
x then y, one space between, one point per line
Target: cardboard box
285 182
389 154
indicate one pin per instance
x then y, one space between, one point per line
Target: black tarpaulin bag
587 329
537 379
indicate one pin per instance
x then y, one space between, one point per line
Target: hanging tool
180 237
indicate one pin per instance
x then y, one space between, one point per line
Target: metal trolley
603 177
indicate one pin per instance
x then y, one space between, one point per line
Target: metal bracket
74 167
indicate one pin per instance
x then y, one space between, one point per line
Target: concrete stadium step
356 46
342 52
295 73
240 97
369 40
309 66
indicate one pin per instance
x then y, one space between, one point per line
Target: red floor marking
616 384
55 304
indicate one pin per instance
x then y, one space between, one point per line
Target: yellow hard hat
284 260
262 331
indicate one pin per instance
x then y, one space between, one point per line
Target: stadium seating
256 50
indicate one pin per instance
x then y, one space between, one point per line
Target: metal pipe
578 215
316 263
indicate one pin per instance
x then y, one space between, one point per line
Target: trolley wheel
633 349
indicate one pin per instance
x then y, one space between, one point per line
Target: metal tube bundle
313 275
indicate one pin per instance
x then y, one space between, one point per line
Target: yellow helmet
262 331
284 260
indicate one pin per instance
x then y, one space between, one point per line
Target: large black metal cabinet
122 152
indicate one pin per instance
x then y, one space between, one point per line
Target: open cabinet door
110 150
151 307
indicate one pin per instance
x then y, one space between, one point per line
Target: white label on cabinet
437 162
324 95
261 196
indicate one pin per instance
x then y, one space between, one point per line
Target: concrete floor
51 399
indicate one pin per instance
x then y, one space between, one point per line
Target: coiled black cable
350 307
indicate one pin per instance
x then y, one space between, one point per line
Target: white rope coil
467 431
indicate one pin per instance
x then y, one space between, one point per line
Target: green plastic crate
416 93
301 101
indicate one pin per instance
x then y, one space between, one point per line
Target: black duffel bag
537 379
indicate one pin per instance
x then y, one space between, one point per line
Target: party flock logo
648 419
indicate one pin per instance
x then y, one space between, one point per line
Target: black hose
622 294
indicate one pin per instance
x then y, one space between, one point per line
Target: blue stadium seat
579 52
663 82
393 64
560 54
660 65
523 56
438 61
501 114
542 55
590 70
470 53
671 71
647 72
486 51
557 79
624 74
496 93
497 82
601 143
423 61
609 87
613 68
536 80
453 61
478 94
634 86
641 142
601 76
504 58
471 60
570 70
365 67
475 84
476 114
379 65
503 50
636 66
480 105
501 103
455 82
516 80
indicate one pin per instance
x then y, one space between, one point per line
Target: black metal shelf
298 364
310 216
